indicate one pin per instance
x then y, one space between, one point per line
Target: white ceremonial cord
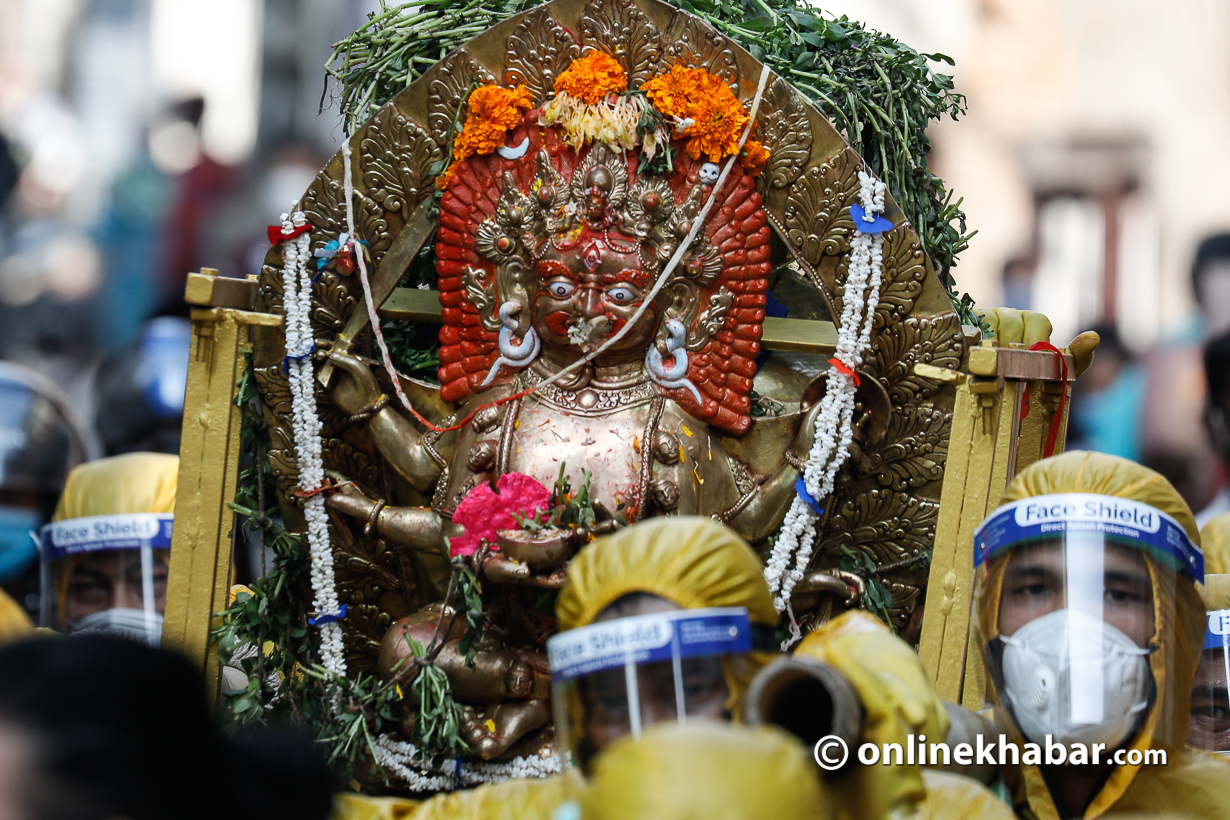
348 186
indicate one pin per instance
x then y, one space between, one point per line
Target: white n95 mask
1077 678
137 624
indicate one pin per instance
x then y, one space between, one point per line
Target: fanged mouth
588 333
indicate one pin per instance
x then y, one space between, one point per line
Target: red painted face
592 298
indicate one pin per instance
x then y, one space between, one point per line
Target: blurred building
1092 156
1092 162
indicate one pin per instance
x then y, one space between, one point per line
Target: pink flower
485 511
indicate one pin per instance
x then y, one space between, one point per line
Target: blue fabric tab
877 225
1217 636
800 487
330 617
1117 519
107 532
648 638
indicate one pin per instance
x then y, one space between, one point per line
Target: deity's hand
500 569
354 388
349 499
1028 327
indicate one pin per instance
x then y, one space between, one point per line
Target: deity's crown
555 216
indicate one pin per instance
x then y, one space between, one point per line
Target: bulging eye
561 290
621 295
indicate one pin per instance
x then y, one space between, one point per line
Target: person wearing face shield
1089 618
1215 543
41 439
105 553
1210 710
703 770
14 623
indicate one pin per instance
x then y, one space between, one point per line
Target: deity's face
586 288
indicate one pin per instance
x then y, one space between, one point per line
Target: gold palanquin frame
888 500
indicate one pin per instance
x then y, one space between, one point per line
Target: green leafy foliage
413 346
880 93
569 509
469 603
265 633
437 727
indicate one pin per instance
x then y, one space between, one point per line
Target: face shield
107 573
1210 723
1070 596
617 677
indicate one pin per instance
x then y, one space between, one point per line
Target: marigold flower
677 93
718 122
592 77
754 157
446 177
493 112
717 117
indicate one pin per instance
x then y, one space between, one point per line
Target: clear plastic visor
621 676
1210 717
108 574
1095 580
1076 626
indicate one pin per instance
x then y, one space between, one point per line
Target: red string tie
1053 435
276 235
841 367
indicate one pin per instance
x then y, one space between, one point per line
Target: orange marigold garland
714 117
591 78
492 113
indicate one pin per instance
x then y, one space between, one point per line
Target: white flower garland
401 759
834 423
297 306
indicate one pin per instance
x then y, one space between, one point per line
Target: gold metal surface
990 443
208 288
200 570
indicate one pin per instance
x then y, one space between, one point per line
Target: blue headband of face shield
643 639
125 531
1119 520
1217 635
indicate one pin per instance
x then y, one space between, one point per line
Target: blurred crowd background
143 139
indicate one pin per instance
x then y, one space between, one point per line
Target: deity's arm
405 449
760 515
418 528
355 390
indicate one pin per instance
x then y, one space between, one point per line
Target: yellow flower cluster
591 78
493 112
717 117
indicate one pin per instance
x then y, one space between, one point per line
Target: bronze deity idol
547 248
